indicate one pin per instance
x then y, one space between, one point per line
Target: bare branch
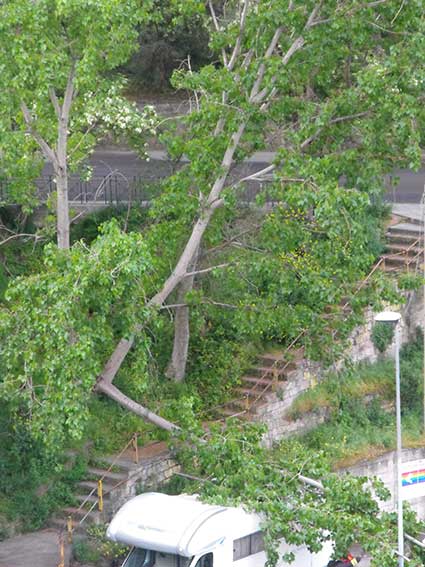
217 27
55 102
48 152
238 43
21 235
207 270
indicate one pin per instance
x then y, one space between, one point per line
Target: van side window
205 561
248 545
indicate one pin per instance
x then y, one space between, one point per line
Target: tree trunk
62 211
177 367
112 392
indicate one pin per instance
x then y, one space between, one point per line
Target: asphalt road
106 161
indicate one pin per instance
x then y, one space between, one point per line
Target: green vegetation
162 310
360 404
382 336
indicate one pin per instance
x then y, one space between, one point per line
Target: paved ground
403 186
37 549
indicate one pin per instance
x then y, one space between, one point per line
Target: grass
361 422
365 380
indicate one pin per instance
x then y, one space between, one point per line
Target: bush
382 336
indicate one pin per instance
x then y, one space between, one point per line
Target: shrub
382 336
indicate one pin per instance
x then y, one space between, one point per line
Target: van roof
178 524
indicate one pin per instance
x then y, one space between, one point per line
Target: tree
298 496
56 59
319 72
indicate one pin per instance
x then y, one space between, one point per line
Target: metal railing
113 189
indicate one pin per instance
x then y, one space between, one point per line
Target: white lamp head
388 317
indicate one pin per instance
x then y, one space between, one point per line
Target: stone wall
148 474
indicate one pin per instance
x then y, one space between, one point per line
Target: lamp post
392 318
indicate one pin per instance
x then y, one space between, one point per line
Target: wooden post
69 528
136 448
61 552
100 495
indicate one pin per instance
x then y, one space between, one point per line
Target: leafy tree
56 59
300 499
335 79
319 71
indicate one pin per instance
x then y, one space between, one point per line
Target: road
105 161
126 164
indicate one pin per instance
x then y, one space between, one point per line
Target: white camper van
181 531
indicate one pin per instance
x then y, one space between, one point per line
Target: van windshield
147 558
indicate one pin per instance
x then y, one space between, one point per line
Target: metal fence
113 189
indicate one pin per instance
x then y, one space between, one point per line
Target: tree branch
217 27
336 120
207 270
237 48
48 152
55 102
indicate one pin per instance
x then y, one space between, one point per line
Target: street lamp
392 318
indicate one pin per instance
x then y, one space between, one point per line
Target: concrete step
250 392
89 500
405 228
228 412
89 485
397 259
401 238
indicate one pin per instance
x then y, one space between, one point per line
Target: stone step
89 485
403 250
268 371
106 475
88 499
278 361
257 380
405 228
228 412
126 462
401 238
250 392
394 259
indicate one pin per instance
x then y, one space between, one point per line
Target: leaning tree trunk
176 369
112 392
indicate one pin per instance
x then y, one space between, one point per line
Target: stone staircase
404 249
120 476
403 252
270 371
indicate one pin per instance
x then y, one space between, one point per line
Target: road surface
104 161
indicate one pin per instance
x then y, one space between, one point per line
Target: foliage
239 471
96 547
176 33
56 327
46 47
360 421
33 482
382 336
